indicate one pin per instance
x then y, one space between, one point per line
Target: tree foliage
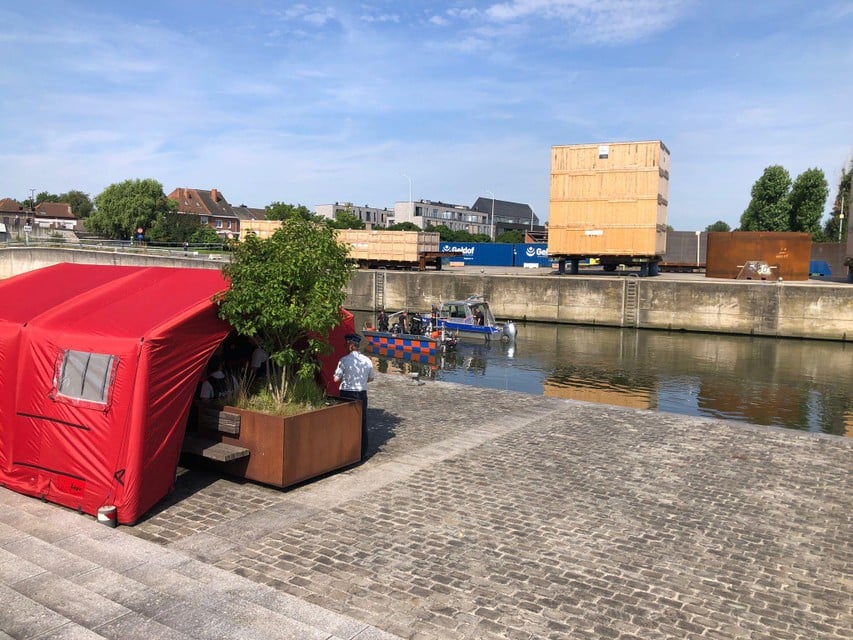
446 234
346 220
769 209
123 207
512 236
807 197
171 227
719 225
286 292
404 226
284 211
81 204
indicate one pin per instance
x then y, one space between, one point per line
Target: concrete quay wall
672 302
796 310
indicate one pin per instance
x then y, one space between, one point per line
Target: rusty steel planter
285 450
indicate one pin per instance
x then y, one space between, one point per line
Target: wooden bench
212 449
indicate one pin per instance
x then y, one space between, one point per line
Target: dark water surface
797 384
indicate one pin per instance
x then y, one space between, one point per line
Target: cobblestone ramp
479 514
484 514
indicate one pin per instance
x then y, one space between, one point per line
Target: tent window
86 376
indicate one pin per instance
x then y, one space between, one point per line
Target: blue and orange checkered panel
414 349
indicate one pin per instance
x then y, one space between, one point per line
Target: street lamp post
492 219
411 212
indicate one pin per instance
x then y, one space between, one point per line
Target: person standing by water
382 320
353 373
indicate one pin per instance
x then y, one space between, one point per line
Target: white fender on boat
509 331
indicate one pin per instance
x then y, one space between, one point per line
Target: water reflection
799 384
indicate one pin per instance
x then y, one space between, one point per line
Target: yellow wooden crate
261 228
396 246
608 199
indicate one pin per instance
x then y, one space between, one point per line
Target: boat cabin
466 311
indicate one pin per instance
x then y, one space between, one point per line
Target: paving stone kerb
484 514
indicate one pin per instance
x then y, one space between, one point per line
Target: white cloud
595 21
338 106
383 17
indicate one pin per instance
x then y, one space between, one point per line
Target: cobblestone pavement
484 514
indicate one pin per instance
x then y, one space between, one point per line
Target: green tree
45 196
204 235
445 233
769 209
171 227
404 226
346 220
467 236
123 207
807 198
81 203
719 225
513 236
287 292
283 211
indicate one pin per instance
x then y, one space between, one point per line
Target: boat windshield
476 308
488 318
456 310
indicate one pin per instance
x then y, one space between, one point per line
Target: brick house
55 215
214 210
12 214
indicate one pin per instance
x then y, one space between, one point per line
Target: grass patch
252 395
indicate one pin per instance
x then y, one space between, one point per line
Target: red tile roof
8 205
58 210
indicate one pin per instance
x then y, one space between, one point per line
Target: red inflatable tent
98 366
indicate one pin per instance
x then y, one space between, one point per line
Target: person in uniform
353 373
382 320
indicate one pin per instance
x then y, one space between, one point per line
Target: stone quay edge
813 309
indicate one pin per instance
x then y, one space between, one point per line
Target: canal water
797 384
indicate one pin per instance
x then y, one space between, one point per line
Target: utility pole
492 220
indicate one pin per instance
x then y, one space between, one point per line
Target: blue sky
313 103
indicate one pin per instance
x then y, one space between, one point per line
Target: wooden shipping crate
392 246
261 228
609 199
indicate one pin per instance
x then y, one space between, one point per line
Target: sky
371 102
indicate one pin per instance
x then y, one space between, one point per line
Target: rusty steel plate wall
786 253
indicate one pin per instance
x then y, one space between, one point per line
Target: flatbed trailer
380 248
425 260
648 265
681 267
